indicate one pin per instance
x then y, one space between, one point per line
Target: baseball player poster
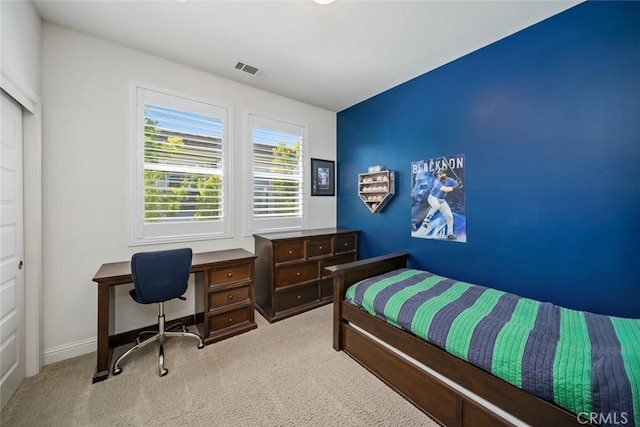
437 199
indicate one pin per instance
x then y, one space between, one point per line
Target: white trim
32 184
248 229
24 96
67 351
135 153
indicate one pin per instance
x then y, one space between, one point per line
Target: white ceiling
331 56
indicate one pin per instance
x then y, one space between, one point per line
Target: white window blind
181 182
276 195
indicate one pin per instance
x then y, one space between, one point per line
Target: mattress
584 362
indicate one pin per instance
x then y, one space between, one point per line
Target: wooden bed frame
442 401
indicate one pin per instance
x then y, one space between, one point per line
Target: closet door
12 345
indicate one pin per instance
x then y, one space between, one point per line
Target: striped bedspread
586 363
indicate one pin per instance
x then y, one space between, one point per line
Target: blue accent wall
549 122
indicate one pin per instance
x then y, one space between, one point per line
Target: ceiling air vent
260 73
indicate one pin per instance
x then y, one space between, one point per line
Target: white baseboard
67 351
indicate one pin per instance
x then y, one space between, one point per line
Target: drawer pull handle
298 273
230 296
298 296
320 247
230 319
346 244
290 252
229 274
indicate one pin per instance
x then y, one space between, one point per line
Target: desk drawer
230 318
345 243
231 274
319 247
299 273
229 296
296 297
289 251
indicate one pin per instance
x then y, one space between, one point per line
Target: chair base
174 327
158 336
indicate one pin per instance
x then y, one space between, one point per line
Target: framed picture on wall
438 207
323 177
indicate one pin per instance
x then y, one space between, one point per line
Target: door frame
32 218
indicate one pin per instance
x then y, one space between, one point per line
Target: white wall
20 73
20 45
87 119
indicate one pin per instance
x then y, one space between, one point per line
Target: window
275 193
181 190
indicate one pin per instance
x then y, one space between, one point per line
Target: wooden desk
207 267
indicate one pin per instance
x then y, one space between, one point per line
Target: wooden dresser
290 269
226 295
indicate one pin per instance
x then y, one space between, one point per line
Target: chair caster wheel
164 372
201 345
117 371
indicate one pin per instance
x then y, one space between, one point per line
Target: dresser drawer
292 274
345 243
230 318
289 251
326 288
229 296
289 272
319 247
340 259
231 274
296 297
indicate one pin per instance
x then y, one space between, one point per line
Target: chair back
161 275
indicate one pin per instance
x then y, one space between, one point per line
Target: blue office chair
158 277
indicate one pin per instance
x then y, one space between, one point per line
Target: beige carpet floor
281 374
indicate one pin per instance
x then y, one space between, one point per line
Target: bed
448 361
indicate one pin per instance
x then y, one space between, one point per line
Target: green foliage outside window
159 201
209 189
286 162
175 195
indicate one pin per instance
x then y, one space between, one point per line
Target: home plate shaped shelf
376 189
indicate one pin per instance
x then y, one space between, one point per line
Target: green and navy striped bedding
583 362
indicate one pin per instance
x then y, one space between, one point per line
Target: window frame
251 224
141 233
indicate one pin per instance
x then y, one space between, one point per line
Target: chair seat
137 299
